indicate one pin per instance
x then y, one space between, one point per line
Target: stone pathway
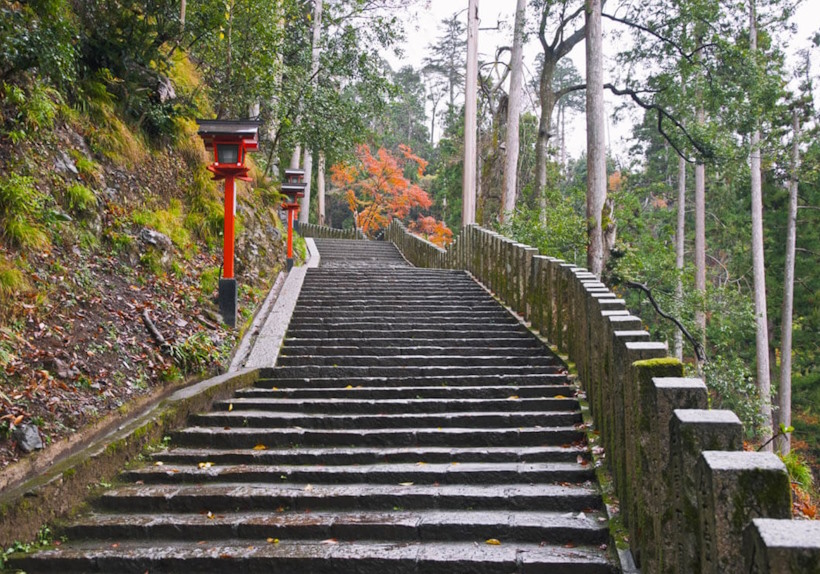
410 425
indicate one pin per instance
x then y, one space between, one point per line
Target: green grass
21 203
79 198
170 221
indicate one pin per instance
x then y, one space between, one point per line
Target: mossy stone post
693 431
529 285
549 298
612 409
597 329
735 488
555 296
656 509
612 330
645 360
518 276
782 546
538 293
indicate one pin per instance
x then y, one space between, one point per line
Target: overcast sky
422 25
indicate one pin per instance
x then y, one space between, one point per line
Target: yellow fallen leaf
230 407
159 463
559 397
260 447
210 515
349 387
309 488
273 541
330 541
205 464
513 398
420 463
493 542
406 484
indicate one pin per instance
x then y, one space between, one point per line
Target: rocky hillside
103 228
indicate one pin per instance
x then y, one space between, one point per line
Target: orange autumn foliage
432 230
376 189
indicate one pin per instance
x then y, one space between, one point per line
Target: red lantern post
229 140
294 188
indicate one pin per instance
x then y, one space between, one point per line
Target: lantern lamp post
229 140
294 187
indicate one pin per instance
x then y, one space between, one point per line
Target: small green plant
168 221
88 168
208 281
152 261
799 471
20 204
195 354
12 280
80 198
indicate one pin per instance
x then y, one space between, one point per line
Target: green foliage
196 354
170 221
12 283
40 35
208 282
80 198
799 471
20 205
152 261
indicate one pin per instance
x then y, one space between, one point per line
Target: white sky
422 26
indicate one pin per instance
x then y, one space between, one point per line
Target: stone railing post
782 546
734 488
693 431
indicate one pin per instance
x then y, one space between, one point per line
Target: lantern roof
245 131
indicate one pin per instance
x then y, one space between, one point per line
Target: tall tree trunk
680 247
304 212
764 382
546 99
596 134
510 187
470 117
320 187
182 8
784 394
700 242
296 157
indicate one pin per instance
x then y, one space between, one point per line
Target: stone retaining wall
690 497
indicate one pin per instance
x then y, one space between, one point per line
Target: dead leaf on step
205 464
273 541
330 541
406 484
260 447
493 542
159 463
230 407
309 488
513 398
559 397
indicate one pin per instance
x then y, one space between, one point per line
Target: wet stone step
417 473
303 352
532 527
442 334
425 361
238 497
449 380
321 371
362 405
362 393
330 456
519 340
246 437
376 321
324 421
304 556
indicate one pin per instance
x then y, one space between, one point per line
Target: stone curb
271 333
67 483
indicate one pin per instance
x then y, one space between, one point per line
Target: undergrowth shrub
80 198
20 205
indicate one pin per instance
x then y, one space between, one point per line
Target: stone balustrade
691 499
325 232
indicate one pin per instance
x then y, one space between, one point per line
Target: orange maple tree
376 188
432 230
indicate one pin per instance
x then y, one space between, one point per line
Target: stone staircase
410 425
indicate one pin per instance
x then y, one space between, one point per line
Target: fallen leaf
493 542
559 397
273 541
210 515
309 488
260 447
330 541
406 484
159 463
205 464
230 407
513 398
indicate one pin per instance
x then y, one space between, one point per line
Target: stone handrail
325 232
691 499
